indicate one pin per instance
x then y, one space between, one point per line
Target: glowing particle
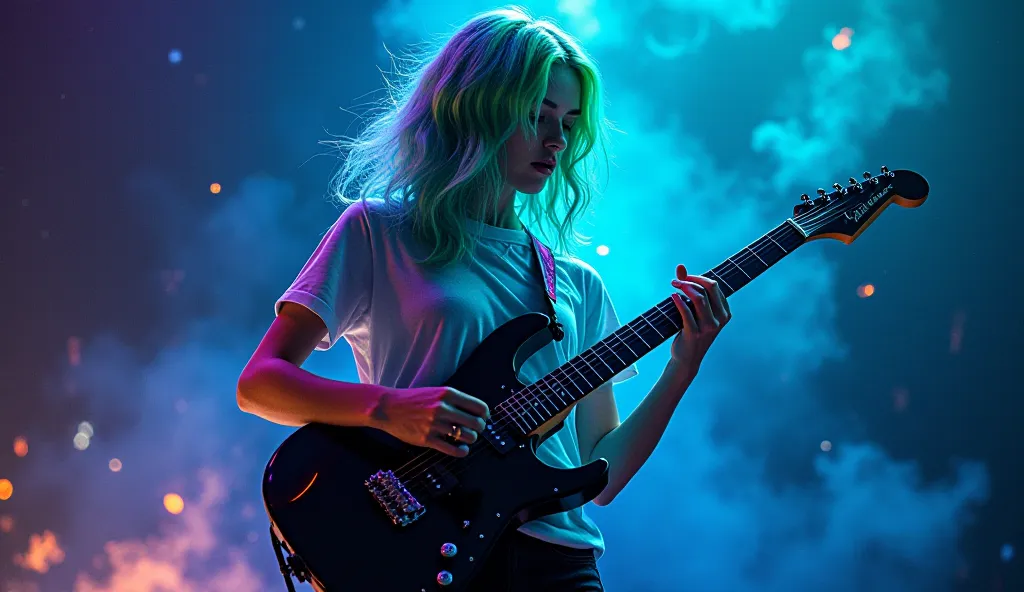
602 250
1006 553
900 399
20 446
81 441
173 503
115 465
846 31
74 351
215 188
6 523
956 334
172 278
85 428
826 446
6 489
298 23
866 291
842 39
174 56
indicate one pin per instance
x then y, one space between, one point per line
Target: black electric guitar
356 509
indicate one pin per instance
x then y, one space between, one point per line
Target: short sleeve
601 318
337 280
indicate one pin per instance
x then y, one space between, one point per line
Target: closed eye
566 126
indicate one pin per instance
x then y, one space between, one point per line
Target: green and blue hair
434 151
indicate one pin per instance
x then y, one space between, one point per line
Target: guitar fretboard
537 403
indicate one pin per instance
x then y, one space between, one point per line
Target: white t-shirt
412 326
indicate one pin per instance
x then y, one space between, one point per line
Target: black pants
522 563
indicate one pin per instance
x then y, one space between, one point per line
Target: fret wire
644 317
756 255
719 278
736 265
546 397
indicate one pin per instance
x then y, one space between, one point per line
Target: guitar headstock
845 212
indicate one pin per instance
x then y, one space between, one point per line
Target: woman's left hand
698 333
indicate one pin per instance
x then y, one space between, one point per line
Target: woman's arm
275 387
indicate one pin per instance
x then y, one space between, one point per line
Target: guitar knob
444 578
821 192
885 170
449 550
866 175
853 181
837 186
805 198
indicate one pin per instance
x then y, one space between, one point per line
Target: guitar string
743 258
528 390
508 406
431 456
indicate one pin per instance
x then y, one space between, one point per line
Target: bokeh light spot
20 446
866 291
173 503
80 441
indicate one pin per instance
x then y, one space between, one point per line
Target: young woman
432 254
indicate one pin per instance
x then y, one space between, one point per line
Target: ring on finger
455 433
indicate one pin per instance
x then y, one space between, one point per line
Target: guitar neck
543 400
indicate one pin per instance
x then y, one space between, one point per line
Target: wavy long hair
435 147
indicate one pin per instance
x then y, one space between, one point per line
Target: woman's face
529 162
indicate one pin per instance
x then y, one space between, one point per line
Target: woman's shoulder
373 211
583 273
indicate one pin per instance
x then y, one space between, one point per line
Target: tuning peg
885 170
853 181
837 186
821 192
805 198
866 175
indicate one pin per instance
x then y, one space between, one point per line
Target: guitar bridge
402 508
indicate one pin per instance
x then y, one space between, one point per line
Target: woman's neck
505 217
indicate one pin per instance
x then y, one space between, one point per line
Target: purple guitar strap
547 267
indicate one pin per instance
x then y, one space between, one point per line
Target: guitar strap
547 266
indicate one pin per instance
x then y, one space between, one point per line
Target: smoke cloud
712 510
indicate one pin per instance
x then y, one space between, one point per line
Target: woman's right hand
427 416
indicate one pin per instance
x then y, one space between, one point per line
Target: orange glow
303 492
215 188
43 552
6 489
866 291
173 503
6 523
841 42
20 446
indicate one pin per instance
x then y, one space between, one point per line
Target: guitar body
325 514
